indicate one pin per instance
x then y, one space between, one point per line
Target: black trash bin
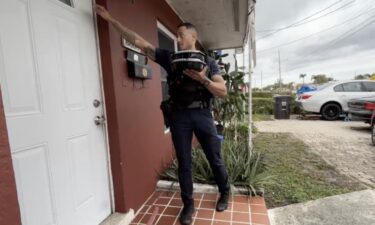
282 106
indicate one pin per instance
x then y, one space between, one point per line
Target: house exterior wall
139 147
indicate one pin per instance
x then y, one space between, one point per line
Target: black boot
222 203
186 217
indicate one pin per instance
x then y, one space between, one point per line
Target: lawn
261 117
299 174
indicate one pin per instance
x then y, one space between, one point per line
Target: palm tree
303 77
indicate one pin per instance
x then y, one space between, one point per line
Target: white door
49 78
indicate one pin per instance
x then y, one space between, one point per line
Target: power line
279 70
300 21
342 37
359 15
308 21
352 33
314 14
324 15
298 24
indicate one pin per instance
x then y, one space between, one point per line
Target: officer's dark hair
188 26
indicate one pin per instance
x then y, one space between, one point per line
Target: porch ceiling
221 24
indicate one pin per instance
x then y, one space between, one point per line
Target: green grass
299 174
261 117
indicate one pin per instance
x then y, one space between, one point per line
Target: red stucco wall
9 209
138 145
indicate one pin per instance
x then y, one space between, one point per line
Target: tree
290 86
230 110
276 87
302 75
321 79
362 77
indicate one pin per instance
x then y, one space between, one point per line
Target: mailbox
137 65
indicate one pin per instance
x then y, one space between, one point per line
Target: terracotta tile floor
242 210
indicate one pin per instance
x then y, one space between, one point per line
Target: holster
166 108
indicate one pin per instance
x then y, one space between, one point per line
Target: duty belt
193 105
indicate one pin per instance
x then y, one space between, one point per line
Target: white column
250 97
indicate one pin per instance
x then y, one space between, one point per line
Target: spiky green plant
244 170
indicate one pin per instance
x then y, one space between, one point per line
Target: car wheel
373 135
331 111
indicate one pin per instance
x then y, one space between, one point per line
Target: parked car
361 109
306 88
331 99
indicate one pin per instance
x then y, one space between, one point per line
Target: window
324 86
349 87
369 86
67 2
167 40
338 88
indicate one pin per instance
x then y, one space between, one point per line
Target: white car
331 99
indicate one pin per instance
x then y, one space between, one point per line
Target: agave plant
244 169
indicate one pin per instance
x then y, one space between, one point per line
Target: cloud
320 53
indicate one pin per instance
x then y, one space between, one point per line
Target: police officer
189 115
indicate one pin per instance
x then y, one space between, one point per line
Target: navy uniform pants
183 123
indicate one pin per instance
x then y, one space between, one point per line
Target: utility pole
279 71
261 80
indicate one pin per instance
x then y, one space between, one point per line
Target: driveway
344 145
356 208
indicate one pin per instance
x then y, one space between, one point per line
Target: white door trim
105 125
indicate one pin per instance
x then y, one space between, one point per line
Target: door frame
105 125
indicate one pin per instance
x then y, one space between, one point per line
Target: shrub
244 169
266 105
262 94
242 132
263 105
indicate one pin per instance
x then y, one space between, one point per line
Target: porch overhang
221 24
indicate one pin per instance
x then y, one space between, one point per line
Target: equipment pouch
166 108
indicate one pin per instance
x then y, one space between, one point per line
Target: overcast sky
323 53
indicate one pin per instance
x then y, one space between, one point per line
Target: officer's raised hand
100 10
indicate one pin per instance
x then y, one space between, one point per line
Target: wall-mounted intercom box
137 62
137 65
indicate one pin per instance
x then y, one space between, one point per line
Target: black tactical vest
183 90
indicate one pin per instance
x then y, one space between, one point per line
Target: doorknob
96 103
99 120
